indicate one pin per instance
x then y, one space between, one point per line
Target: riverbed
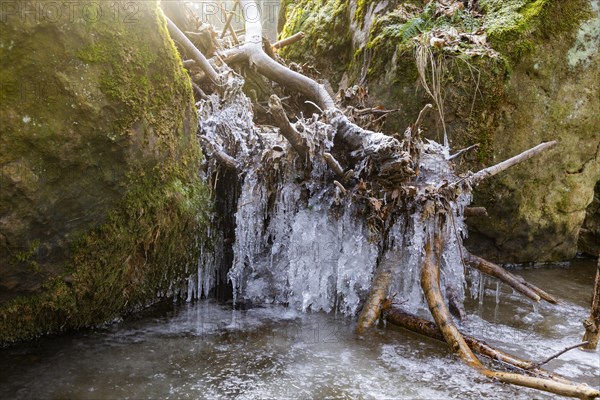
210 350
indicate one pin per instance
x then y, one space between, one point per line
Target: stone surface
589 238
100 201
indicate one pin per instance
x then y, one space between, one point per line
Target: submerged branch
499 273
421 326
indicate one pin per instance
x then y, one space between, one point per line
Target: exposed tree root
430 282
374 305
394 164
196 55
286 129
289 40
485 173
500 273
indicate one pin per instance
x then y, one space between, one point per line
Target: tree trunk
592 324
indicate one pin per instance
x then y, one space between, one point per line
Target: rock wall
523 71
589 238
101 205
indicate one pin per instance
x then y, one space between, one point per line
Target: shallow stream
208 350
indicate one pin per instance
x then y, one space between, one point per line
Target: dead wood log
477 177
461 152
430 282
580 391
286 129
196 55
289 40
499 273
375 302
592 324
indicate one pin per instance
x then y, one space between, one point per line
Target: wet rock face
536 210
99 163
544 85
589 237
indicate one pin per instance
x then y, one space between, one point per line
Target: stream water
207 350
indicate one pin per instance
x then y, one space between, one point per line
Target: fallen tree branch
499 273
289 40
477 177
592 324
463 151
543 380
430 278
560 353
543 294
285 127
580 391
196 55
430 282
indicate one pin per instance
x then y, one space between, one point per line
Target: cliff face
512 74
101 204
589 238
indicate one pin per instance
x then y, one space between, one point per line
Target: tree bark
421 326
196 55
504 165
592 324
374 305
500 273
286 129
289 40
430 282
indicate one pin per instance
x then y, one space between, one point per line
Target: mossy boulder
101 205
536 78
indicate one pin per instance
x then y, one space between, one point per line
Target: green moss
110 168
361 10
515 26
327 37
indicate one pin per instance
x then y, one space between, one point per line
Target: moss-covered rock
538 81
101 204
